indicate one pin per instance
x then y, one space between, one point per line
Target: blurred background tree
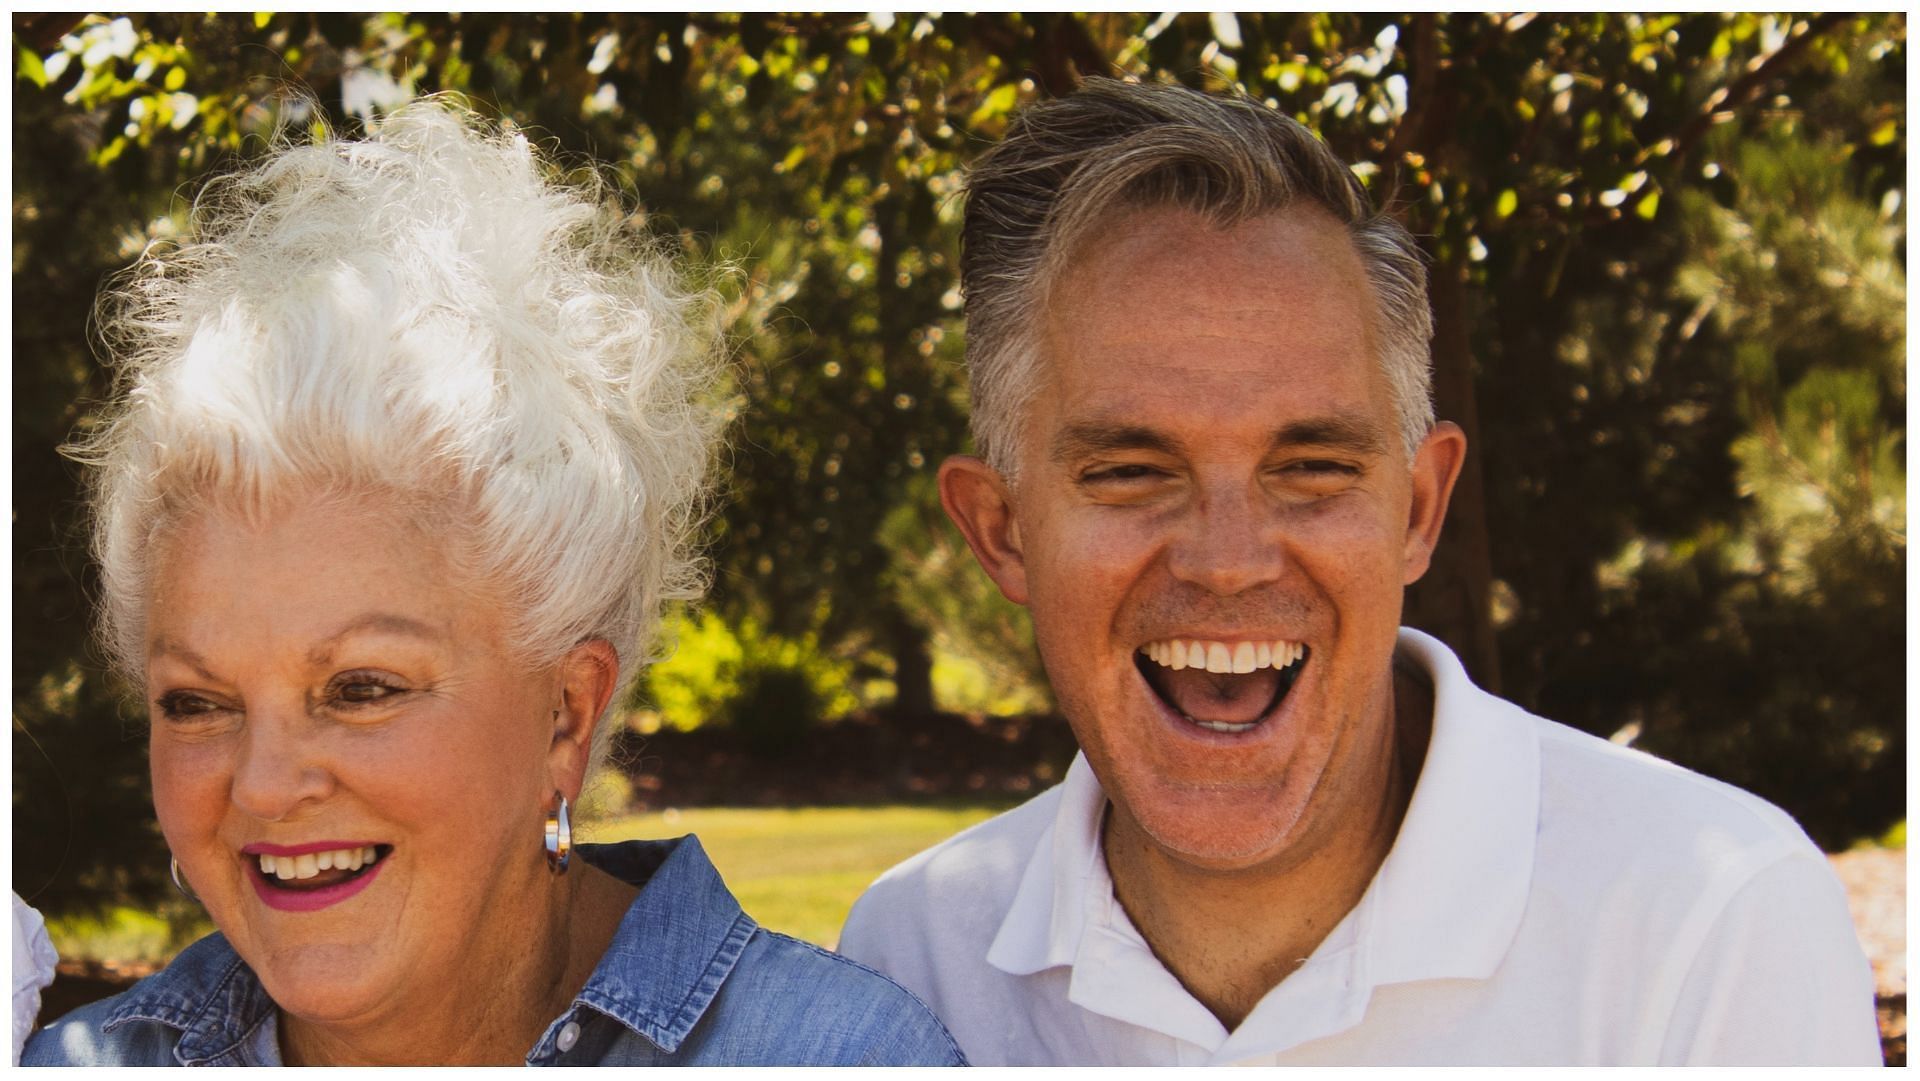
1669 287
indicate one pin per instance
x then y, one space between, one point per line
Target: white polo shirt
1551 898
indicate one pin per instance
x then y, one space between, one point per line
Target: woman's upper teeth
1241 657
310 864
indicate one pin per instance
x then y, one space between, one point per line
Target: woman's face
323 689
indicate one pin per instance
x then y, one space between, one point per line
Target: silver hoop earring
559 837
179 883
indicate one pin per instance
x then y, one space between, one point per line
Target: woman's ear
980 503
588 675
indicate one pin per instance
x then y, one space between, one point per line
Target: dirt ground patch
1876 881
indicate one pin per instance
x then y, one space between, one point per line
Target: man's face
1212 477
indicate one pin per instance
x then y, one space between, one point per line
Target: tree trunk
912 666
1452 601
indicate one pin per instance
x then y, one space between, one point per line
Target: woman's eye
183 705
360 690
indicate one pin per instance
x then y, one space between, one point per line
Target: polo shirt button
569 1035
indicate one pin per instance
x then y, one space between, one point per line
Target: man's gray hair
1066 165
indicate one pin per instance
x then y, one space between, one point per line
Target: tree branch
1722 103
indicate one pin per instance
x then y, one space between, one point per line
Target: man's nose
281 768
1229 543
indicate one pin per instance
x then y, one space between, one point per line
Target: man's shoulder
983 862
1598 796
959 889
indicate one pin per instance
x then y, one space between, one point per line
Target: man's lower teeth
1224 726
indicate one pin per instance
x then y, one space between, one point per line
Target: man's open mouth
312 871
1222 686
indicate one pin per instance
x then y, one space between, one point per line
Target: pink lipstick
309 900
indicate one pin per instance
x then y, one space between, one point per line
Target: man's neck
1232 936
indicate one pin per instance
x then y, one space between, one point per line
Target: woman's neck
517 979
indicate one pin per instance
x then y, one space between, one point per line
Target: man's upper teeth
1242 657
312 863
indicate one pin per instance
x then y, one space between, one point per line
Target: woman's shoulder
82 1038
837 1010
206 991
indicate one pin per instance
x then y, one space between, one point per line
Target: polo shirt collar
1453 889
1446 903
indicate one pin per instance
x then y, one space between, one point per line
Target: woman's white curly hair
430 315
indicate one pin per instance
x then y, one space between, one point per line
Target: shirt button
569 1035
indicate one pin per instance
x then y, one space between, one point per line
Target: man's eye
1322 468
1120 473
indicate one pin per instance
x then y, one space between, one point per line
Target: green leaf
28 66
176 78
261 19
998 103
1885 133
112 150
1648 206
1508 202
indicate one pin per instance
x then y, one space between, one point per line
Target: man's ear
980 503
588 674
1436 465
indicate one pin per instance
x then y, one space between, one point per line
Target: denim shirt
690 980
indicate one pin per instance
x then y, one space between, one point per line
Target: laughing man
1296 832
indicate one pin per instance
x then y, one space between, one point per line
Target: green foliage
1669 279
768 686
984 658
126 933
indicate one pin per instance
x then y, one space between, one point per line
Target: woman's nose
280 769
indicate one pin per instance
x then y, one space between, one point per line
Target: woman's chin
328 984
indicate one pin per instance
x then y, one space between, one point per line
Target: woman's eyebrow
167 647
380 623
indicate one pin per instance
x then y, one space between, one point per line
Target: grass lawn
799 869
794 869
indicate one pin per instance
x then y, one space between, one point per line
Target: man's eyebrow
379 623
1355 434
1076 440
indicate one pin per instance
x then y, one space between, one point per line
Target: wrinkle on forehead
1309 256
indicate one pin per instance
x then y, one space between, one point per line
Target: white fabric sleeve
33 963
1780 979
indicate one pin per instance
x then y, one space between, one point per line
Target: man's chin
1213 828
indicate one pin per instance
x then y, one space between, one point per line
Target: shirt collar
1447 901
214 999
675 946
1453 889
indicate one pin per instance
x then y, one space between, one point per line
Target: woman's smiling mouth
305 878
1222 686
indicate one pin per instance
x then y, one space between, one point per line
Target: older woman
407 450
